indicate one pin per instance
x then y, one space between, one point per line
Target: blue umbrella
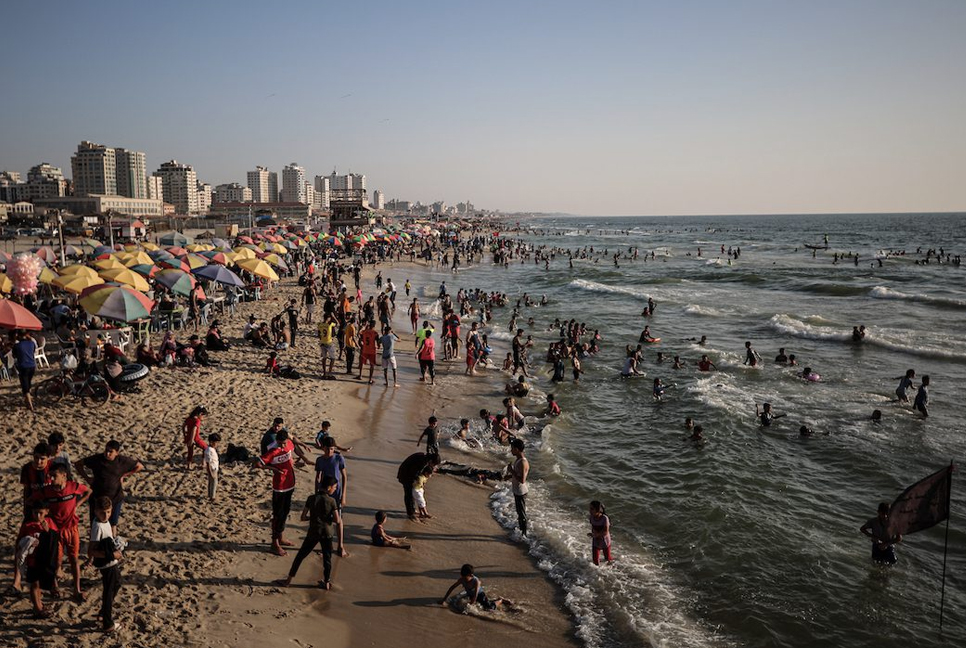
218 273
103 249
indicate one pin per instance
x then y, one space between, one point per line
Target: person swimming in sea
630 366
781 358
858 333
705 364
751 356
905 383
646 335
765 414
809 375
659 389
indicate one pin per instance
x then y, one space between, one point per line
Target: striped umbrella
46 253
145 269
177 264
77 283
116 303
177 281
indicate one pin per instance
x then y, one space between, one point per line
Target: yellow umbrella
258 268
126 276
110 263
132 247
135 258
5 284
195 261
47 276
274 247
76 283
78 269
274 259
199 247
242 253
150 247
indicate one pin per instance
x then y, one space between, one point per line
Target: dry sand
199 573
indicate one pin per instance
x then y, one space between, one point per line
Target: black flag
922 505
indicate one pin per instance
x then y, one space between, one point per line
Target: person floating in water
765 415
751 356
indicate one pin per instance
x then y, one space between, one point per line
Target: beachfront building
131 173
378 200
264 185
242 211
155 187
205 193
179 186
94 170
101 204
323 193
232 192
293 184
43 181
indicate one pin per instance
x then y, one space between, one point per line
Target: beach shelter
220 243
218 257
195 261
219 273
134 258
258 268
177 251
333 240
91 243
78 269
178 264
150 247
242 253
110 263
199 247
15 316
72 250
77 283
145 269
177 281
174 238
102 250
275 260
158 255
116 303
127 277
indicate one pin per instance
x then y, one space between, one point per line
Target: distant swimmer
705 364
697 436
765 415
688 424
646 336
702 341
806 431
922 398
809 375
877 416
781 358
792 362
659 389
858 333
905 383
751 356
678 363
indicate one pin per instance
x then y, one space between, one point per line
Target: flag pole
942 596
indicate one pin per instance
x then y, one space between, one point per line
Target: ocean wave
634 585
883 292
832 289
790 325
703 311
593 286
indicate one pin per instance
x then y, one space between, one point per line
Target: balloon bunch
23 271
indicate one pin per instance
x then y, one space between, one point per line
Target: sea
753 538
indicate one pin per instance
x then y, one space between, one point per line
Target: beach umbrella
220 243
218 257
47 276
275 260
150 247
116 302
145 269
134 258
219 273
5 284
77 283
245 239
258 268
177 281
72 250
177 251
199 247
110 263
15 316
101 250
244 253
131 247
91 243
78 269
127 277
274 247
174 238
158 255
46 253
195 261
333 240
177 264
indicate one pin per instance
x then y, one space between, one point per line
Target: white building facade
179 186
293 184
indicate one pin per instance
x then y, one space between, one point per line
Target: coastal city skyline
640 109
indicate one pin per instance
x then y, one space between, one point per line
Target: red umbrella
15 316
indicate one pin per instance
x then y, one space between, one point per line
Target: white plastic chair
5 362
123 339
40 354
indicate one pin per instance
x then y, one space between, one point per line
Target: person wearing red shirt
426 354
192 433
41 568
278 459
368 338
35 475
63 497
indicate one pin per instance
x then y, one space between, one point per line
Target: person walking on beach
409 470
106 477
327 332
325 522
426 354
413 311
599 532
191 431
210 460
332 464
293 320
432 437
350 341
106 555
278 459
62 497
23 359
388 344
520 471
368 338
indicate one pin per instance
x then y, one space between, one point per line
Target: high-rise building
43 181
94 168
264 185
310 197
205 193
232 192
378 200
323 188
155 187
131 173
293 183
179 186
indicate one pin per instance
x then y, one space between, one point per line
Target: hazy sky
592 107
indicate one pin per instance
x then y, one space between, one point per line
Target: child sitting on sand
382 539
474 591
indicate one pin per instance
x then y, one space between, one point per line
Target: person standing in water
883 540
905 383
751 356
922 398
599 532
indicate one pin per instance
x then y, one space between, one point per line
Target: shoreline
199 574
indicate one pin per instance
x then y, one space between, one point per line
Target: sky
604 108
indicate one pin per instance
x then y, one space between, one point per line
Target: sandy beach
199 574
